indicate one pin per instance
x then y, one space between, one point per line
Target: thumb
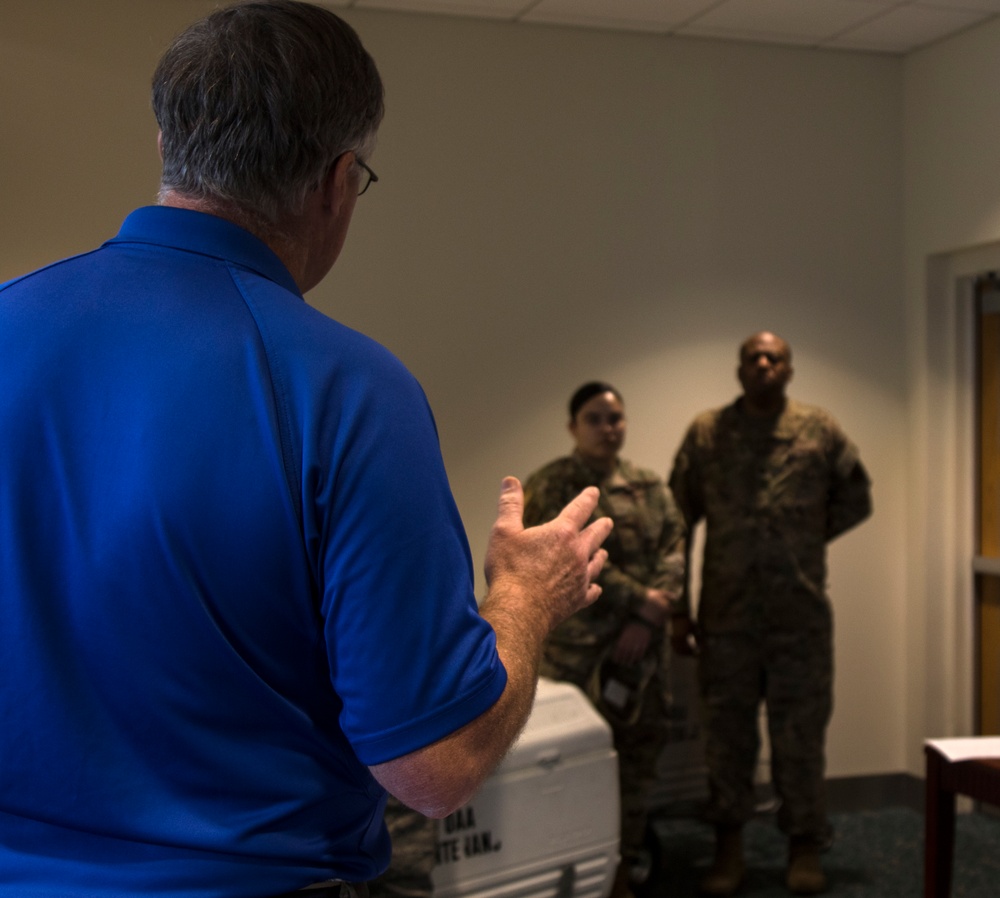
510 508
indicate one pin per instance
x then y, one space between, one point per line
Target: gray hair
256 101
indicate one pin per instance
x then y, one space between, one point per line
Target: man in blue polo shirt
236 594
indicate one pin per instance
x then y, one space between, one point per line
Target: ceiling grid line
880 26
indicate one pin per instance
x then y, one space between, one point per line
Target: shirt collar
784 425
207 235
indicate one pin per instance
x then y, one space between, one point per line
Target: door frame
943 584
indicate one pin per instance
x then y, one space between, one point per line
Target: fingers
579 510
597 532
510 508
554 550
596 564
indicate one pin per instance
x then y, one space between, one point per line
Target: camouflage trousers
638 744
792 673
414 839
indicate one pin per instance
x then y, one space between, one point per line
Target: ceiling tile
907 27
888 26
490 9
752 35
646 15
799 20
975 5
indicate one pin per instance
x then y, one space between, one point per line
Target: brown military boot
726 874
805 874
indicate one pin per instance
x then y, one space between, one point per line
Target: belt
332 888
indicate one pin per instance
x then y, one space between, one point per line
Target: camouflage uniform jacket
773 492
646 548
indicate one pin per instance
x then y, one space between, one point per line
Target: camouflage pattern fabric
410 870
772 492
646 550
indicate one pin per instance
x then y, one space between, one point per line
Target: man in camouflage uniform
414 841
615 650
775 481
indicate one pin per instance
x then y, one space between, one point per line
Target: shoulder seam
289 461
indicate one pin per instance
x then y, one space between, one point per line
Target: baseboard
844 795
848 794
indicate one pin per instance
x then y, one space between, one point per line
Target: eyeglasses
368 177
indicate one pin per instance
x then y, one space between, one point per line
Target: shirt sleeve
685 490
672 555
850 500
410 657
685 483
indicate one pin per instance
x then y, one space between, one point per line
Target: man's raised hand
554 564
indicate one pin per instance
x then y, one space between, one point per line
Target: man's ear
159 144
339 182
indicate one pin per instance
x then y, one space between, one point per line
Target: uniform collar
614 477
784 425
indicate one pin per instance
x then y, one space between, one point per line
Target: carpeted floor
876 854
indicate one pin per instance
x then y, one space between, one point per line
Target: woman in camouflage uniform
615 649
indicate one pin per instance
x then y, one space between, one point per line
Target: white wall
557 205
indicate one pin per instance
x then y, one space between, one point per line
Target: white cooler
545 825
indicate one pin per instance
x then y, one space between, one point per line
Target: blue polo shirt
232 575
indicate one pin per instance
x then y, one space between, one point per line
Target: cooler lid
562 724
